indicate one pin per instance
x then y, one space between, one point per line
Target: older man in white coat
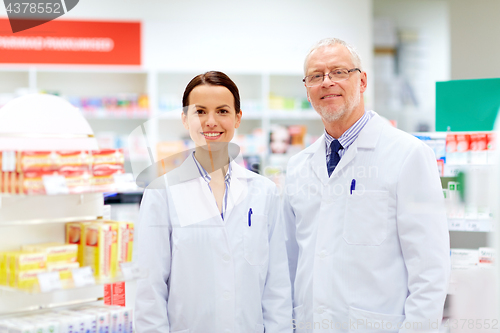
367 235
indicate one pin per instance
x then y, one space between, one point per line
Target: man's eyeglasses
339 74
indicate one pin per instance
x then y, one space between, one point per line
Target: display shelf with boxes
40 266
466 163
81 318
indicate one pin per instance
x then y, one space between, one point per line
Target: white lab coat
378 258
207 275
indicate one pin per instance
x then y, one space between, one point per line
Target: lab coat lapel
318 159
367 139
238 188
193 200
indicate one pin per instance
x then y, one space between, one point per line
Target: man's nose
327 82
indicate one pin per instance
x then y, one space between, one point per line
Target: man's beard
331 116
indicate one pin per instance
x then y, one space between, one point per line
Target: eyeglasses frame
349 71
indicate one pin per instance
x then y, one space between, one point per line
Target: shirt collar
204 174
349 136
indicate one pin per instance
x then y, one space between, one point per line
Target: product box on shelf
470 148
57 253
486 257
26 280
24 261
464 258
75 234
66 171
19 269
120 106
93 318
102 244
100 249
125 241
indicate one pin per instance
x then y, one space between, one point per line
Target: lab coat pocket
366 217
371 322
259 328
255 240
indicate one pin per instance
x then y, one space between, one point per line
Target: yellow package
65 272
56 252
26 280
125 241
25 261
75 234
101 248
3 269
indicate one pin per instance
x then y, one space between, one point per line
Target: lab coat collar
188 171
193 188
367 139
369 135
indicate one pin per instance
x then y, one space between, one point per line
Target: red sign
72 42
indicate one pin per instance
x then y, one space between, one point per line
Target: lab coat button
319 310
322 254
226 257
226 295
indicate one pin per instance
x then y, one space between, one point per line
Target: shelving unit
36 219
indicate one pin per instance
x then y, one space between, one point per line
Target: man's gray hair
356 59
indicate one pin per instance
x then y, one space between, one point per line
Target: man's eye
316 76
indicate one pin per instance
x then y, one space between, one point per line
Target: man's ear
363 82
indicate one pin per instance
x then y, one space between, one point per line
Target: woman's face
211 116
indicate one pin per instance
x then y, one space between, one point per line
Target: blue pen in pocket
250 217
353 185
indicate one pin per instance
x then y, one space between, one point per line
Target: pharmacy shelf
16 300
97 116
41 209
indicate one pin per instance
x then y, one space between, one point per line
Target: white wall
475 39
236 36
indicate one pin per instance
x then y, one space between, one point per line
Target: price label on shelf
55 184
49 281
83 277
456 224
130 271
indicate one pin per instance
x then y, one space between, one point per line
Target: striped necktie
335 146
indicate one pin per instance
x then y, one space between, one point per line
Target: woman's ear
238 119
184 120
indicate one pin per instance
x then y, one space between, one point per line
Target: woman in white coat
209 233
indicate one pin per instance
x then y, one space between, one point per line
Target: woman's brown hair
211 78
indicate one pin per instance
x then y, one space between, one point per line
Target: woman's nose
211 121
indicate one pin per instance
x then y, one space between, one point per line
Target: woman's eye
199 111
223 111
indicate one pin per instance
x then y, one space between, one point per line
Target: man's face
334 100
